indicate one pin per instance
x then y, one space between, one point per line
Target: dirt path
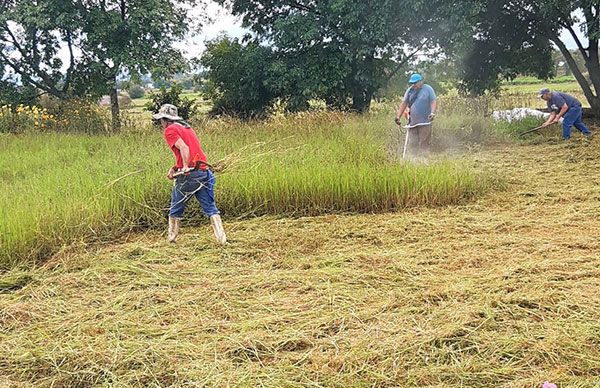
501 292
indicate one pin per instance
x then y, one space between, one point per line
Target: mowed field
503 291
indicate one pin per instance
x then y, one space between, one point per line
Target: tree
237 78
103 38
344 50
31 35
517 36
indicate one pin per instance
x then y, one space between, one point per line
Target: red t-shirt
175 132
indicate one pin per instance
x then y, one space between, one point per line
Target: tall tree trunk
593 65
592 98
359 100
115 110
363 88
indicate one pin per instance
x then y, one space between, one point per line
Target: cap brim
159 116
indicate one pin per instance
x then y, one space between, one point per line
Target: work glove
398 120
431 117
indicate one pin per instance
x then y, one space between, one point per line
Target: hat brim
159 116
542 93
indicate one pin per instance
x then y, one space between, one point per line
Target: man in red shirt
191 173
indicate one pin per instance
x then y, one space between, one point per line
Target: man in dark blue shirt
567 107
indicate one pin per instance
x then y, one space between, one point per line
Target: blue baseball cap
415 78
543 91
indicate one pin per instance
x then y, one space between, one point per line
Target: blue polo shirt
421 103
557 100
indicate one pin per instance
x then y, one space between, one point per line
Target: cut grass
89 188
503 291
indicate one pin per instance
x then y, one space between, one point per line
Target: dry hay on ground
501 292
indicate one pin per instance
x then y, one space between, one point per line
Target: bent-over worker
567 107
192 176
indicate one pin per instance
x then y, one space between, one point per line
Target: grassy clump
78 188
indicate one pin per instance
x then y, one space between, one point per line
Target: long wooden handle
534 129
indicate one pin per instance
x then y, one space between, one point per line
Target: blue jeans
199 184
573 118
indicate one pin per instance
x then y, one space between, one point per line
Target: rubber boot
174 224
217 226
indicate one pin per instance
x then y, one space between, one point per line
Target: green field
138 105
523 91
93 188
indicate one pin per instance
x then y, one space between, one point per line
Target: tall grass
62 188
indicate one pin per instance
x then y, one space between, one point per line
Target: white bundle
518 114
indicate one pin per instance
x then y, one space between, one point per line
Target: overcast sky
222 22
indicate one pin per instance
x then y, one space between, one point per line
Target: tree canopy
70 48
517 36
237 78
344 50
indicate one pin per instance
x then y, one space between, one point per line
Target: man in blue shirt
421 101
567 107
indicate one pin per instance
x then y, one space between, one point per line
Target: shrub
81 116
73 116
22 118
136 91
186 106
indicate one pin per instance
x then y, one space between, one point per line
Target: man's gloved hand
398 120
431 117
